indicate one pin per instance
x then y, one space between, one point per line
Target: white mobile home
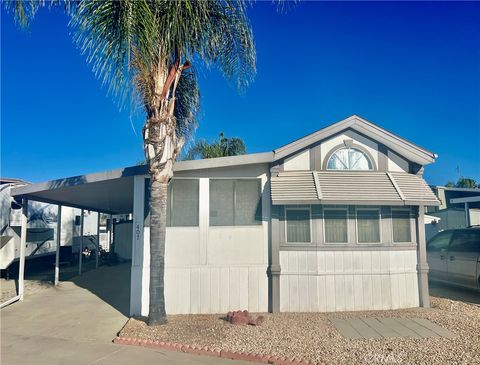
330 222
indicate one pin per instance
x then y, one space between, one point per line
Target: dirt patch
312 337
9 288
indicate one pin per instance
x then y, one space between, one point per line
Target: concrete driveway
75 324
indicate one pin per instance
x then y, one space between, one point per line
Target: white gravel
311 336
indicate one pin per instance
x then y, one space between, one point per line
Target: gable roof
397 144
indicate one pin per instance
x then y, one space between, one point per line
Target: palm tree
222 147
147 49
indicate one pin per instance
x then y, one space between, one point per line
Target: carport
120 191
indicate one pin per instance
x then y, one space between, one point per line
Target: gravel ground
8 288
311 336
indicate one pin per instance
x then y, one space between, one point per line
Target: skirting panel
328 281
204 290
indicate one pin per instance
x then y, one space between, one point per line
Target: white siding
228 273
397 163
298 162
347 280
216 289
216 269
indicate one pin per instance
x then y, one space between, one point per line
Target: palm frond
109 33
187 104
221 147
23 10
216 32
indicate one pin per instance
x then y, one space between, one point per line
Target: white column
204 217
23 243
98 241
57 251
110 234
422 265
140 279
80 249
467 215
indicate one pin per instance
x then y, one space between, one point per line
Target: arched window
349 158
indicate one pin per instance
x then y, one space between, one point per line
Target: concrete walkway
75 324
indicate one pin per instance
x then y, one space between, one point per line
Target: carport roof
112 191
108 192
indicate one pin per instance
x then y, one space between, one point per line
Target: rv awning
352 187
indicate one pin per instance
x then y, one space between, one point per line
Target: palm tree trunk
158 230
161 146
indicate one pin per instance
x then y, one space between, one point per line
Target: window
466 241
349 158
401 226
235 202
336 225
440 241
182 203
368 226
298 225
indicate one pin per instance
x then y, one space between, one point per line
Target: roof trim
468 199
405 148
466 190
212 163
254 158
78 180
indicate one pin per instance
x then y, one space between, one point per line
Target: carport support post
140 274
110 234
80 250
57 251
98 241
23 243
467 215
422 266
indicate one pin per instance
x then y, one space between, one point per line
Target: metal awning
351 187
106 192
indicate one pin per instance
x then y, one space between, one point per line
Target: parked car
454 257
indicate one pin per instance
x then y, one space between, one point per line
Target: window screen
235 202
182 204
298 225
368 226
401 226
222 202
336 230
247 202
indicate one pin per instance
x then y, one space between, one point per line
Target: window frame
409 211
353 147
379 226
260 185
309 208
347 218
170 202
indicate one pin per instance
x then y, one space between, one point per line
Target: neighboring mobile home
333 221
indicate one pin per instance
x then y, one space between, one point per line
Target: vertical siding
216 289
328 281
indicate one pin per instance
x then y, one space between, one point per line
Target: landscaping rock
243 318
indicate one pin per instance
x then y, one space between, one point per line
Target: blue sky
413 68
